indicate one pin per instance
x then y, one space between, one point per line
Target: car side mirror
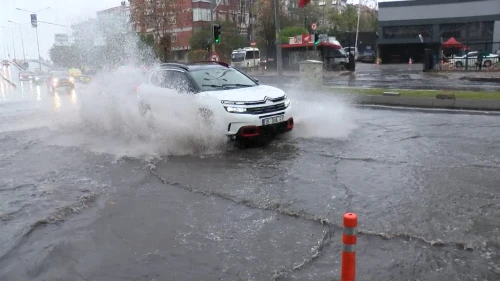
256 80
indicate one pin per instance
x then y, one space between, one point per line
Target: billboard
61 39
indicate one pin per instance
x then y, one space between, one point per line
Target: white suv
249 110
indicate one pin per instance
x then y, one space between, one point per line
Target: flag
303 3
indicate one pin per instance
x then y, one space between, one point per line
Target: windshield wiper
213 86
238 85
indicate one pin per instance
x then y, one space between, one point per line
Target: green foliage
230 40
348 20
197 55
200 39
65 56
291 31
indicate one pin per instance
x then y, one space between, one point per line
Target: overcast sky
65 12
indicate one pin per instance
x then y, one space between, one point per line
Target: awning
453 43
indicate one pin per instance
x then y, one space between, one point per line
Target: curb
429 110
482 79
457 104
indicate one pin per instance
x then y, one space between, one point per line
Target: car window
171 79
237 57
211 79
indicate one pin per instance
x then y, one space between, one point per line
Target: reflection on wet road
425 187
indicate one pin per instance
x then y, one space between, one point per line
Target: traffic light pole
38 46
212 24
279 64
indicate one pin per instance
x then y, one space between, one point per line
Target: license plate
272 120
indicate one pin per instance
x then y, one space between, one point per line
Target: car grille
266 109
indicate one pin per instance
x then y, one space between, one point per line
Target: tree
65 56
291 31
158 15
230 40
347 20
266 22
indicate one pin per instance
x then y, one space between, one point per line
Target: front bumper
250 126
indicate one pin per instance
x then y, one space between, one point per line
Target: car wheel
459 64
487 63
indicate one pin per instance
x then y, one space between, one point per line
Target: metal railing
470 57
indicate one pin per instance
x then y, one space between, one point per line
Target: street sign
314 26
214 57
253 44
61 39
34 22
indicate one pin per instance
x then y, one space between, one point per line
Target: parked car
352 50
369 56
250 111
470 59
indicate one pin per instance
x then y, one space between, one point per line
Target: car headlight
235 109
287 102
55 80
71 79
232 102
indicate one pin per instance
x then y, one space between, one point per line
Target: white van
245 58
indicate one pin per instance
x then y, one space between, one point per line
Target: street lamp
22 39
36 29
13 45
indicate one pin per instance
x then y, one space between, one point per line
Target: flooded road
85 203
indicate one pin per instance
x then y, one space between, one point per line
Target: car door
166 86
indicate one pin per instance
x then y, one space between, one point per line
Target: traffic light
207 47
34 22
217 33
316 38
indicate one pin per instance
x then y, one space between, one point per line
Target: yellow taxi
75 72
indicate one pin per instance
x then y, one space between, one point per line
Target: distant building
475 23
109 22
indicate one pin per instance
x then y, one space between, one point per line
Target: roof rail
174 64
210 61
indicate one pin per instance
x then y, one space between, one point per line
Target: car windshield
212 79
237 57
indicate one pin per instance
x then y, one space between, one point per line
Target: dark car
40 76
368 56
26 76
60 79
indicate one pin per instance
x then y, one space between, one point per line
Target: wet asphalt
396 76
424 186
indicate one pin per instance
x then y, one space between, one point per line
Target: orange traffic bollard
348 271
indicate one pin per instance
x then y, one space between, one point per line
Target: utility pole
357 27
22 39
279 64
36 29
212 24
13 44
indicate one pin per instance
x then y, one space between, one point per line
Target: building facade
179 19
407 28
